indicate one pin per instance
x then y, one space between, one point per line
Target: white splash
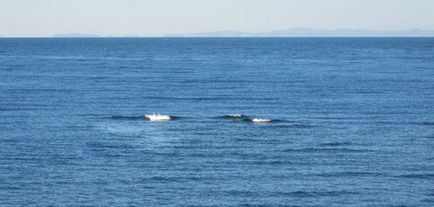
235 115
257 120
157 117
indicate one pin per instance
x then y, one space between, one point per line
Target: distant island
293 32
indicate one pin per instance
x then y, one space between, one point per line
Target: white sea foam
157 117
258 120
235 115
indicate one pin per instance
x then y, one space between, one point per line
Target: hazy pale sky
158 17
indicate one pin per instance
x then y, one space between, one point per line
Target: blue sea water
353 122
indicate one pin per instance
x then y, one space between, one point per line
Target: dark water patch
44 90
79 127
427 176
421 123
428 137
28 159
295 126
264 205
350 174
128 117
321 150
20 109
163 153
428 200
271 162
65 160
336 144
11 140
368 92
338 118
246 139
164 179
315 194
241 193
426 123
89 115
204 155
182 147
102 145
234 117
172 179
166 98
364 122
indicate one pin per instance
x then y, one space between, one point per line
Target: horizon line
289 32
204 37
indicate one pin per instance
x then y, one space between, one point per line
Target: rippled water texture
351 122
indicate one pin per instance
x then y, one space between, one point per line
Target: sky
158 17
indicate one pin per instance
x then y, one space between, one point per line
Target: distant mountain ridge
76 35
292 32
310 32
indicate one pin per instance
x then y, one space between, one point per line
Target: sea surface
352 122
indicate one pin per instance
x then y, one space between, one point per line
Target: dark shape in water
235 117
148 117
126 117
240 117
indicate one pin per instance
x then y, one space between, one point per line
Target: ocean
349 122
